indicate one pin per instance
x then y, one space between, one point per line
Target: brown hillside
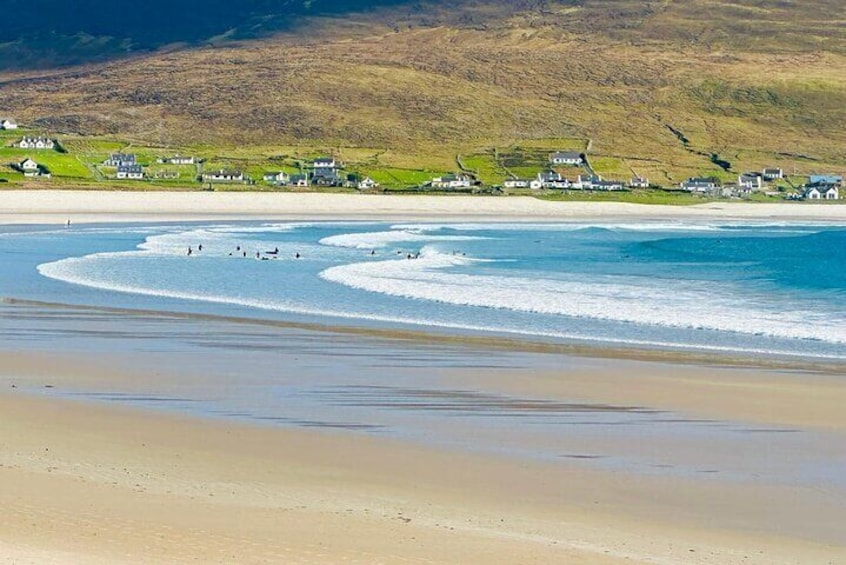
754 82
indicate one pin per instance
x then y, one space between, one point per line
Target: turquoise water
760 290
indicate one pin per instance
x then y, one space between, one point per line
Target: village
565 172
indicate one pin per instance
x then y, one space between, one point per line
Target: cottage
367 183
517 183
130 172
587 182
751 181
120 160
567 158
224 175
701 185
177 160
280 178
607 185
324 163
299 181
36 143
552 179
28 165
8 124
326 178
821 191
452 181
639 182
771 174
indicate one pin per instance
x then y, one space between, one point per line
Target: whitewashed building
224 175
452 181
8 124
36 143
280 178
821 192
367 183
567 158
130 172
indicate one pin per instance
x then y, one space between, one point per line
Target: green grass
485 167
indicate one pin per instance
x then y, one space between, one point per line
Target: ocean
759 290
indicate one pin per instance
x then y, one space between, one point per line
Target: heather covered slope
660 88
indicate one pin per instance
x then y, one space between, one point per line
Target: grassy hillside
663 89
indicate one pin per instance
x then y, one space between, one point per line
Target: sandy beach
740 465
93 484
51 206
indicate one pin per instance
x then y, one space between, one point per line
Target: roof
566 155
772 171
129 169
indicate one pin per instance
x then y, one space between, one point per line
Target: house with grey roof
751 181
771 174
120 160
224 175
639 182
567 158
280 178
367 183
130 172
36 143
299 180
701 185
821 191
8 124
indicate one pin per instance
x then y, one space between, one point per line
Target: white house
822 192
281 178
639 182
588 182
8 124
607 185
551 179
36 143
324 163
752 181
180 160
120 160
130 172
224 176
771 174
367 183
516 183
566 158
452 181
700 185
28 165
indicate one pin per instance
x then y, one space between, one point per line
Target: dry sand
53 206
91 483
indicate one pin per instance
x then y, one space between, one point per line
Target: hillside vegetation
665 89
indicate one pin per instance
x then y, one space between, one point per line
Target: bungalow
326 178
120 160
8 124
36 143
453 181
587 182
177 160
130 172
821 191
300 181
700 185
517 183
367 183
324 163
770 174
567 158
280 178
752 181
608 185
224 175
639 182
551 179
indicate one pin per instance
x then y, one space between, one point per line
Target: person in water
189 250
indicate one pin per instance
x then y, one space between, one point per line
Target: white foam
381 239
685 226
688 304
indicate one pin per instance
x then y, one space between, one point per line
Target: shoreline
81 206
474 340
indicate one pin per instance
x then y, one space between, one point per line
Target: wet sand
114 480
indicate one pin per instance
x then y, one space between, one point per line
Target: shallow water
756 290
